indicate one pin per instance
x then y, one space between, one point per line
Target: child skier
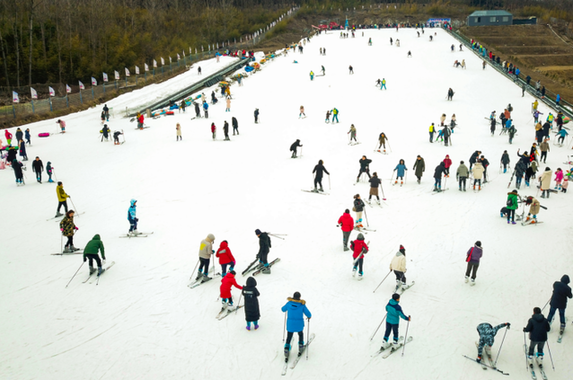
486 337
293 147
398 265
295 309
447 164
352 132
178 129
225 289
327 117
225 258
214 131
382 139
537 327
91 252
68 229
358 208
132 218
374 183
401 170
394 313
49 171
558 178
251 294
359 249
505 160
534 208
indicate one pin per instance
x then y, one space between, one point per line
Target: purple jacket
474 254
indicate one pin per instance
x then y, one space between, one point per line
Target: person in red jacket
347 224
140 121
359 249
226 284
447 164
225 258
214 130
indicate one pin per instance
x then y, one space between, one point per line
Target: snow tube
566 120
43 134
248 69
174 107
169 113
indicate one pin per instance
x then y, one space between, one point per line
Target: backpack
509 202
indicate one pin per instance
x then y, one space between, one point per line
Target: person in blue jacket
394 313
296 309
401 170
206 109
132 218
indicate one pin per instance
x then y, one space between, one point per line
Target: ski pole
238 303
389 147
382 188
406 337
194 270
406 177
525 350
547 303
62 244
500 346
550 356
284 329
83 262
379 326
366 217
300 151
382 282
307 336
74 206
329 188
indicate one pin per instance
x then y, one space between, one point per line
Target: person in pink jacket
447 164
558 178
225 258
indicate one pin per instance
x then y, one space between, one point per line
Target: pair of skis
262 267
225 312
200 281
139 234
315 192
386 352
296 360
98 276
532 370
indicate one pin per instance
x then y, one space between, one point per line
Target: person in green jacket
91 252
511 205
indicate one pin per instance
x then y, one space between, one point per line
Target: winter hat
461 162
257 232
395 296
402 249
347 211
547 169
210 237
360 237
478 243
296 296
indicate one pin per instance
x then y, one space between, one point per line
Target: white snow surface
143 322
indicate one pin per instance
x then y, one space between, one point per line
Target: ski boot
266 270
205 278
539 360
346 248
287 352
467 279
67 250
199 275
230 307
301 348
321 190
473 282
58 214
256 326
100 270
385 345
92 270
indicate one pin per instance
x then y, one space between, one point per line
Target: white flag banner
34 93
126 72
178 57
68 89
162 62
81 85
51 91
105 78
146 67
15 97
136 70
170 60
190 51
116 74
94 81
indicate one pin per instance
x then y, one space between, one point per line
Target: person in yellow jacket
432 130
62 196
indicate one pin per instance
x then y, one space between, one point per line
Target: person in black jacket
364 162
105 132
474 158
374 183
319 169
485 164
38 168
358 208
17 166
264 248
235 124
12 153
197 110
537 327
256 115
438 172
293 147
561 291
19 134
251 294
226 131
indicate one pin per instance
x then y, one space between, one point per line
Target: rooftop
491 13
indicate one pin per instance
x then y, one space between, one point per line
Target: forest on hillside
59 41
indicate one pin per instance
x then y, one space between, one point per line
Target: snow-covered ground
143 322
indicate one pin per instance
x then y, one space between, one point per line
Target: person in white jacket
398 265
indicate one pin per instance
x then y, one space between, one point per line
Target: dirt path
552 68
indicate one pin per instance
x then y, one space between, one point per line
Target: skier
49 170
235 124
462 175
419 168
350 70
562 134
565 185
264 248
359 249
520 169
485 164
398 265
293 147
311 74
251 294
511 133
505 160
474 157
226 131
182 106
17 166
477 173
62 196
205 252
91 252
364 162
335 114
256 115
537 327
225 258
132 218
228 104
545 183
197 110
486 337
323 70
140 120
453 122
116 137
473 257
447 164
450 94
558 178
561 291
383 85
327 120
301 114
382 139
394 313
493 122
438 172
374 183
225 290
319 169
534 208
23 154
358 208
68 229
38 168
432 131
178 133
352 132
511 204
213 131
442 119
347 224
8 136
400 170
62 126
28 136
105 133
296 309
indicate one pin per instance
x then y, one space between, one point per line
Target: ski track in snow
142 321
